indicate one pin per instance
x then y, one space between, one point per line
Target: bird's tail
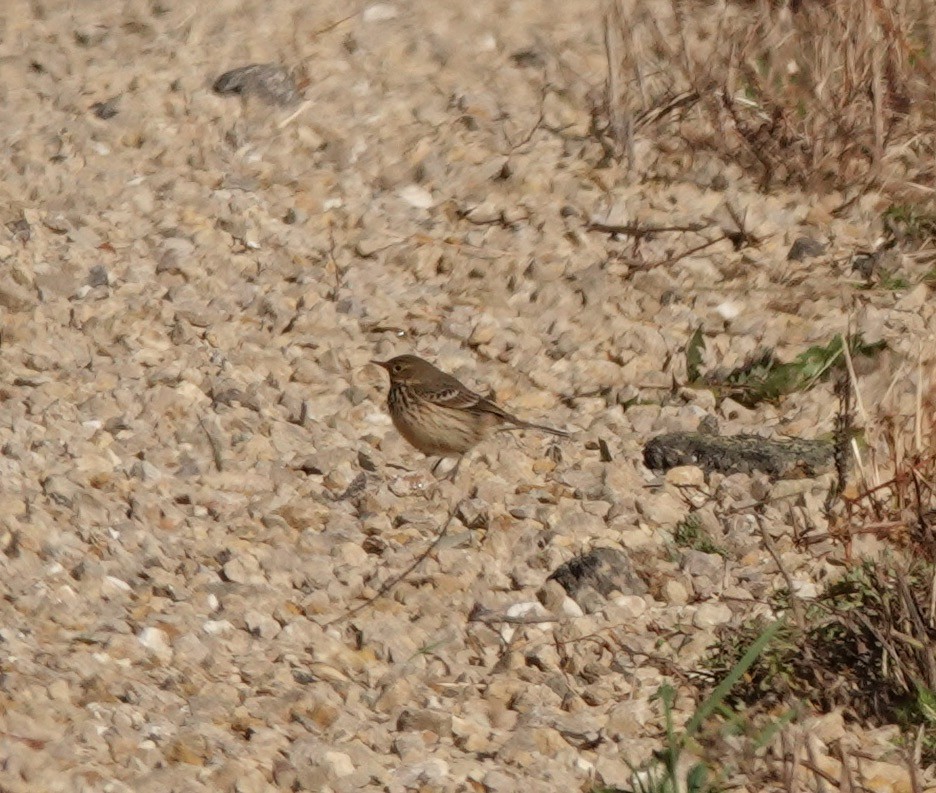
517 424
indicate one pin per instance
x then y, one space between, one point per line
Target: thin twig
536 125
820 775
691 251
846 781
295 114
339 273
798 614
619 121
913 761
487 617
635 230
214 444
389 585
33 743
332 25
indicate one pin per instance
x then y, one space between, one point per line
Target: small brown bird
437 414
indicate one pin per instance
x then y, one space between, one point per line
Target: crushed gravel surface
200 483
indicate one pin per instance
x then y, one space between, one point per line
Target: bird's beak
383 364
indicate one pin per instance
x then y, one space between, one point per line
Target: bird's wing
450 393
451 396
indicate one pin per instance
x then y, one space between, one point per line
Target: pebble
698 563
438 722
157 642
337 764
711 615
602 570
379 12
416 196
675 592
271 83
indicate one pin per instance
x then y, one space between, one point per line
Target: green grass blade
734 675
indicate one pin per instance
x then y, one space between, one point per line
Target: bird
438 414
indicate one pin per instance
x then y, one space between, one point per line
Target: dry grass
837 94
824 96
867 645
894 495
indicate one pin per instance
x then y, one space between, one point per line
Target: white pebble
416 196
379 12
156 641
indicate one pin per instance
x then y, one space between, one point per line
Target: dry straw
837 94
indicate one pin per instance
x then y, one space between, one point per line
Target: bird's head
406 368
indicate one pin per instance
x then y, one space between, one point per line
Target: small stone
188 749
698 563
369 246
865 264
675 592
20 230
629 719
217 627
295 216
14 297
531 609
57 222
337 764
528 58
284 774
61 490
112 586
59 691
251 780
710 615
98 276
271 83
586 484
470 735
157 642
498 782
379 12
570 608
551 595
91 35
886 777
806 589
686 476
828 728
418 719
145 471
729 310
627 607
410 747
261 625
591 577
914 299
805 248
242 570
106 110
428 773
473 513
662 508
416 196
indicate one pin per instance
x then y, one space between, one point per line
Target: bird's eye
397 368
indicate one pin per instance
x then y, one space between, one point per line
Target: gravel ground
199 479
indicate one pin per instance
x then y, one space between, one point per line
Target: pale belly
438 433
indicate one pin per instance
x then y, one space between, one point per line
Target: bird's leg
450 475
